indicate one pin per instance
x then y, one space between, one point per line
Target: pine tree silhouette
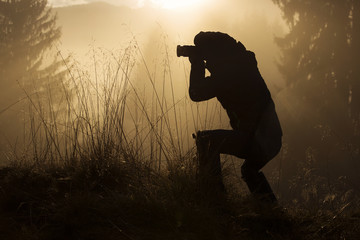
27 30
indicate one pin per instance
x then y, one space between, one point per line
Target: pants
256 151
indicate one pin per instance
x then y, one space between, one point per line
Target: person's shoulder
245 57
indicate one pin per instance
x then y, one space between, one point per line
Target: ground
130 201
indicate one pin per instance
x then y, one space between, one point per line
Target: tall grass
118 154
108 154
98 115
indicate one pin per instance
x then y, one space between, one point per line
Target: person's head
217 44
217 47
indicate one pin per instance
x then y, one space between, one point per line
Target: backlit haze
111 24
94 34
168 4
98 30
109 84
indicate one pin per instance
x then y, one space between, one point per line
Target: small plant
111 160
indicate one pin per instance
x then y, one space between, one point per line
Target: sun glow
176 4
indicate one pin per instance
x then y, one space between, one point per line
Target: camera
186 51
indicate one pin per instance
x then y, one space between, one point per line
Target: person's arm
201 88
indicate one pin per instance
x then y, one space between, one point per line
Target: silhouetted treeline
28 29
320 57
27 33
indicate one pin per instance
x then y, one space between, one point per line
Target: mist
157 32
101 80
92 33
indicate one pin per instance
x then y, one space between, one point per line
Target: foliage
127 200
28 29
89 176
29 66
319 63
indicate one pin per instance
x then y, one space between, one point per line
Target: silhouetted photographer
238 85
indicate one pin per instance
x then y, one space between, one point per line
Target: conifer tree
29 69
320 64
27 31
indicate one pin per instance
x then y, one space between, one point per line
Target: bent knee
266 149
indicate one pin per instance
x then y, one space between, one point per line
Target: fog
312 77
111 27
157 32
